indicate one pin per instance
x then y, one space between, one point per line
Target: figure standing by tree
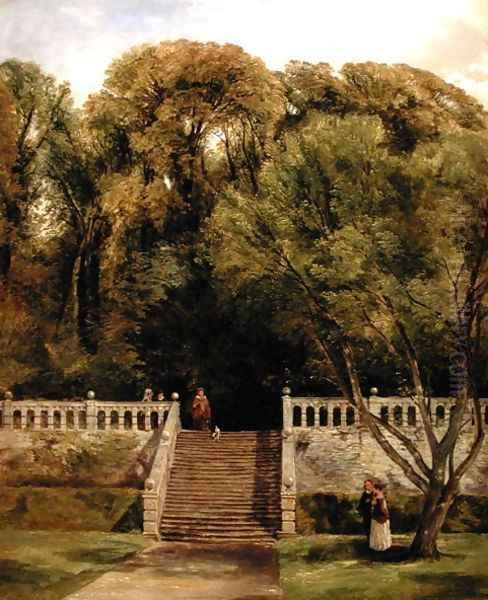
200 411
365 505
380 536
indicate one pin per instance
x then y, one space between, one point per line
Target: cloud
77 39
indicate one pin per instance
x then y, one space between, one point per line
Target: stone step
207 512
229 478
218 465
262 539
267 434
231 458
222 529
182 492
228 524
236 490
194 452
225 504
219 520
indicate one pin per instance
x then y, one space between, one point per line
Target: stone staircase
224 491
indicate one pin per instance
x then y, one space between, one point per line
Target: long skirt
380 536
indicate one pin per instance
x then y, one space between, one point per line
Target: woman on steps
200 411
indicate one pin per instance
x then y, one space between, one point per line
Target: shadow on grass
106 555
453 585
14 571
356 550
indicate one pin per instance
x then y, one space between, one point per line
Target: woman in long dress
201 412
380 536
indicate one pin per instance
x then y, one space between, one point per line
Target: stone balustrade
336 412
156 484
89 414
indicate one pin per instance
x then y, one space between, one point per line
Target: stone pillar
316 416
288 484
343 408
287 409
8 411
135 425
91 413
63 425
50 418
23 418
303 415
107 419
147 420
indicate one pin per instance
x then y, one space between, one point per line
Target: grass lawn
332 567
47 565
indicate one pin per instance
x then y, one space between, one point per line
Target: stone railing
156 484
89 414
336 412
288 475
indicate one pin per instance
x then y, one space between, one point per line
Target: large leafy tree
172 125
40 106
349 233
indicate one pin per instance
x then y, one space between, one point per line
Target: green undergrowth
49 565
327 513
334 567
91 509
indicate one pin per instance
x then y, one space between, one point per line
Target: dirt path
187 572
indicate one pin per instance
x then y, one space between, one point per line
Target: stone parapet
337 412
89 414
157 483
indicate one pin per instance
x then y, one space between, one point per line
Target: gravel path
178 571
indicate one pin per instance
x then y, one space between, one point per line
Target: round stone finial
288 432
286 391
374 391
149 485
289 481
165 436
90 395
8 395
175 396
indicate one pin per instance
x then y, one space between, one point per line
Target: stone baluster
91 411
147 420
37 418
8 418
343 408
63 425
316 416
108 416
50 418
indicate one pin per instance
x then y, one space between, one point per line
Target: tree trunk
86 296
436 505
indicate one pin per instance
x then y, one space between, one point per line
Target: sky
76 40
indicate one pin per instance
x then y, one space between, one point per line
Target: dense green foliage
143 239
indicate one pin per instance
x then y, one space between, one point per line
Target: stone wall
337 461
76 458
334 452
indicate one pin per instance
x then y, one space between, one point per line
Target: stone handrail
156 484
89 414
288 474
335 411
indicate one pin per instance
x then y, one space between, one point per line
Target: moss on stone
97 509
